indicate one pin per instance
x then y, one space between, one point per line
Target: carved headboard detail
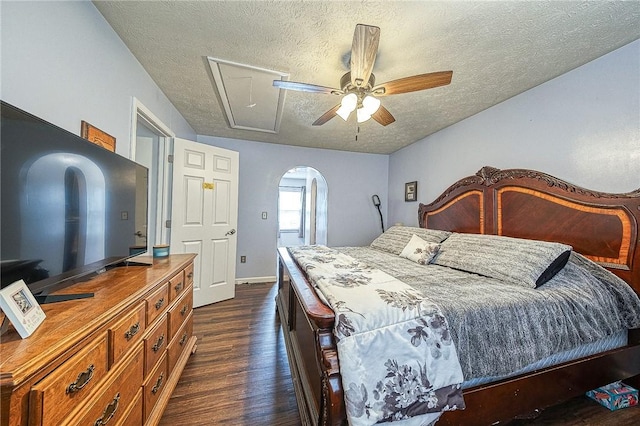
529 204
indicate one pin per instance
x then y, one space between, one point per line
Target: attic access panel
249 99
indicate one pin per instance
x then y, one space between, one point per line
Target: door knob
233 231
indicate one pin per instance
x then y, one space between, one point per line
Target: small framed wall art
97 136
411 191
21 308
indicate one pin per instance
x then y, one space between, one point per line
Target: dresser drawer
177 285
133 416
154 385
124 334
155 344
70 384
110 405
179 341
179 312
188 275
157 302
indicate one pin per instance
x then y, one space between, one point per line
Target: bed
517 203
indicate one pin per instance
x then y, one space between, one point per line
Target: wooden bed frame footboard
499 202
307 325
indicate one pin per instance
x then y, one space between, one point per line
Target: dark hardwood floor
239 374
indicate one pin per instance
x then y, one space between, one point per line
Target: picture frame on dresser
21 308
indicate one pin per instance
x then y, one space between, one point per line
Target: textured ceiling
495 49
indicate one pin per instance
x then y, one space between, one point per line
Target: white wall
352 178
583 127
62 62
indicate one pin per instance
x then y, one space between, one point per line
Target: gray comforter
499 328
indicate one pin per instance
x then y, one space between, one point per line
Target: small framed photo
411 191
21 308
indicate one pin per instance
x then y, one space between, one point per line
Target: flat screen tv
69 208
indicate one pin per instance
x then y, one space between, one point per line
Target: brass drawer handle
132 331
109 411
190 275
178 286
159 303
184 339
81 381
184 310
158 384
158 344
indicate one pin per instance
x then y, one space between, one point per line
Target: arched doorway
302 207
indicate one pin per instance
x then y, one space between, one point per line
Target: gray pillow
517 261
395 239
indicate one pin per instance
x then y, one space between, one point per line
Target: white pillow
419 250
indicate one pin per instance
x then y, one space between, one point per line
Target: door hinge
167 224
170 158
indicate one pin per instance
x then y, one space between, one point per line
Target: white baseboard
255 280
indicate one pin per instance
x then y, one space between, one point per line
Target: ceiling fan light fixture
362 115
344 113
370 104
347 105
368 107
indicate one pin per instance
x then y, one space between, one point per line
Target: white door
205 216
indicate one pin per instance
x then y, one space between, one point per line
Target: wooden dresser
112 359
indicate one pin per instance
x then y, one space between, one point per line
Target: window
291 209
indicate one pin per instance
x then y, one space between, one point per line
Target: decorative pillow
419 250
395 239
518 261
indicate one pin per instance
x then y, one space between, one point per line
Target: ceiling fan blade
413 83
363 53
383 116
306 87
326 116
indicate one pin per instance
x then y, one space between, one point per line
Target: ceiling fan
358 85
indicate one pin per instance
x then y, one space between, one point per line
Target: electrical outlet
243 259
264 215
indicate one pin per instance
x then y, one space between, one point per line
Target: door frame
140 112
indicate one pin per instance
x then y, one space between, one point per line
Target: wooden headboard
529 204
